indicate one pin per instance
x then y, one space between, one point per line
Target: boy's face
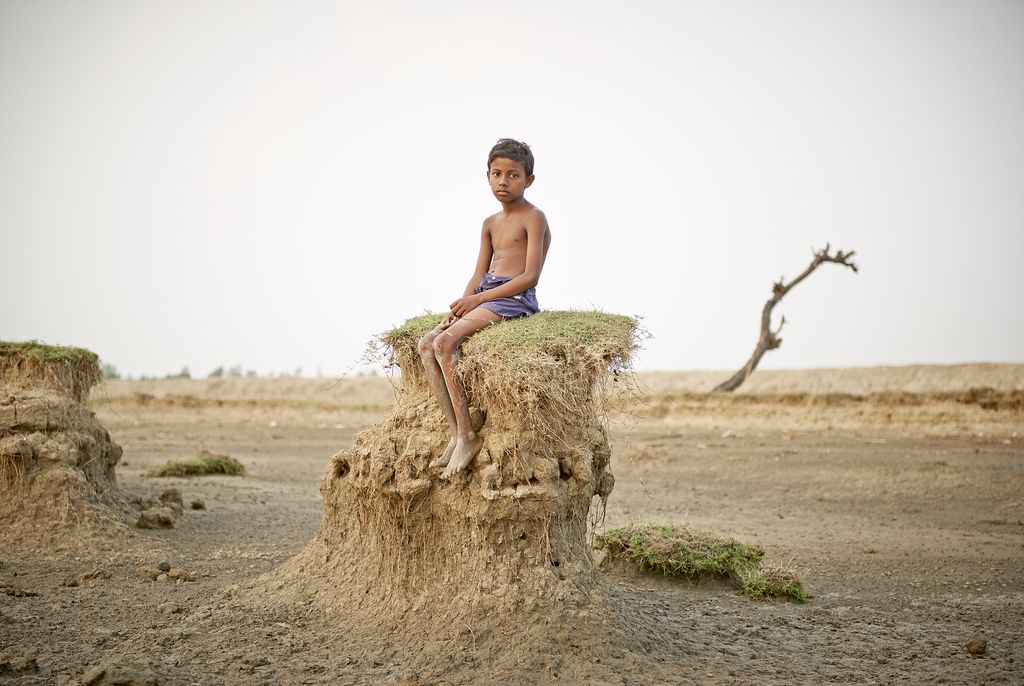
508 179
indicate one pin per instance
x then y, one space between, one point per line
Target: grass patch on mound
203 462
74 370
42 352
682 551
542 369
553 331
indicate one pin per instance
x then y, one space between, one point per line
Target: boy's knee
426 344
443 344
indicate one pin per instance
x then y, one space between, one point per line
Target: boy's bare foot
464 453
446 456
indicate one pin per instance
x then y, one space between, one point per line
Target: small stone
18 666
145 502
163 577
25 664
156 518
179 574
92 575
198 505
977 644
16 591
168 608
164 566
170 495
147 574
119 673
93 675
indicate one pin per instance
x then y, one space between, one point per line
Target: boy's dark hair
513 150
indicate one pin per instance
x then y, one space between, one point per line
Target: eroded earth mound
58 491
497 557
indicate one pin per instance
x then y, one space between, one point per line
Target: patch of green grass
549 330
762 583
203 462
414 328
48 353
678 550
529 364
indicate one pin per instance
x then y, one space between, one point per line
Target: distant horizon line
368 371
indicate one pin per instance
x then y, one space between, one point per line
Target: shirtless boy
513 245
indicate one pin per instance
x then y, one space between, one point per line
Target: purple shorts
521 305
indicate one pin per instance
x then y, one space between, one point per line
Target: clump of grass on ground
678 550
761 583
201 463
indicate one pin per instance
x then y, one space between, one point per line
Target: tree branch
769 340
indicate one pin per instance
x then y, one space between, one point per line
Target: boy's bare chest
508 235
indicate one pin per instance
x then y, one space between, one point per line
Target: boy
513 246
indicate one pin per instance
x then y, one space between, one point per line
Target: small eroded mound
58 491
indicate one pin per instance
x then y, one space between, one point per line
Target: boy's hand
448 320
463 306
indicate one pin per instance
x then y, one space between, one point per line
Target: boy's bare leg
437 384
446 345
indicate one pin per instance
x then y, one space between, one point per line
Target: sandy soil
905 516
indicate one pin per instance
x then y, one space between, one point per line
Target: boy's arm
483 260
536 228
483 263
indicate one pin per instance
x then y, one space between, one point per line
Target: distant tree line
110 372
232 373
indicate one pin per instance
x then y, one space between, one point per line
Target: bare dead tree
769 339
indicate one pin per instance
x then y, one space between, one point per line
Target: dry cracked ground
901 506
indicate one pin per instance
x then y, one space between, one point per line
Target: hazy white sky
271 183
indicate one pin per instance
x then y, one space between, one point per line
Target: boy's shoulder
523 214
